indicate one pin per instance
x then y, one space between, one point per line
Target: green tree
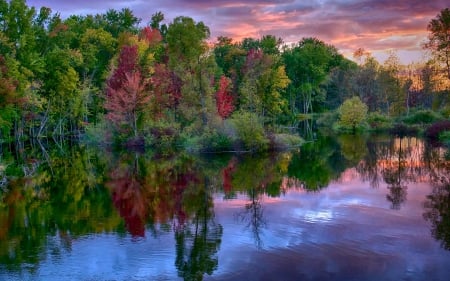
97 47
352 113
187 50
365 83
392 96
439 39
62 89
308 65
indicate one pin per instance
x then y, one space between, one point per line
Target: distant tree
117 22
270 44
439 39
352 113
392 96
365 83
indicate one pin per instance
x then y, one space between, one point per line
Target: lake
340 208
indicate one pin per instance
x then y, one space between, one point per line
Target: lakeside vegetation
109 79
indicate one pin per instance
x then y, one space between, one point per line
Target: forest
112 79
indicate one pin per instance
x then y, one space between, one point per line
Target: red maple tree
126 103
151 35
166 88
224 98
127 63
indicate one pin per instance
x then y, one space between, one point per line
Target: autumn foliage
127 64
166 88
127 91
7 85
224 98
151 35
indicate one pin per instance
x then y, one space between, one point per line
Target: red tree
126 103
151 35
7 85
127 63
127 91
224 98
166 88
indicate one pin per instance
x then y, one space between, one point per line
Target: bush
249 131
421 117
210 141
379 122
161 135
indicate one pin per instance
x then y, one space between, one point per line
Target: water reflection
51 199
437 208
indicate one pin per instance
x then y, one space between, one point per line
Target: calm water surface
342 208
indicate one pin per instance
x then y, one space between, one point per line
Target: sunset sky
375 25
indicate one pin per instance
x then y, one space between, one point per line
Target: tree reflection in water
256 176
161 192
128 196
253 217
395 175
437 208
48 200
198 242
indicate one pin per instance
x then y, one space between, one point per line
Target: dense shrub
249 131
162 135
379 122
421 117
209 141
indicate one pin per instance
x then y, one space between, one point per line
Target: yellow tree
352 113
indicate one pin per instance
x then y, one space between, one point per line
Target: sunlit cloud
375 25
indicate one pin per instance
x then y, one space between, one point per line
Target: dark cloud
375 25
234 11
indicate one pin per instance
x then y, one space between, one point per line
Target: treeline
106 77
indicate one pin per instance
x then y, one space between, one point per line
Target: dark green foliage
421 117
379 122
249 131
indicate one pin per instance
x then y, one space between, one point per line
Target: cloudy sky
375 25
